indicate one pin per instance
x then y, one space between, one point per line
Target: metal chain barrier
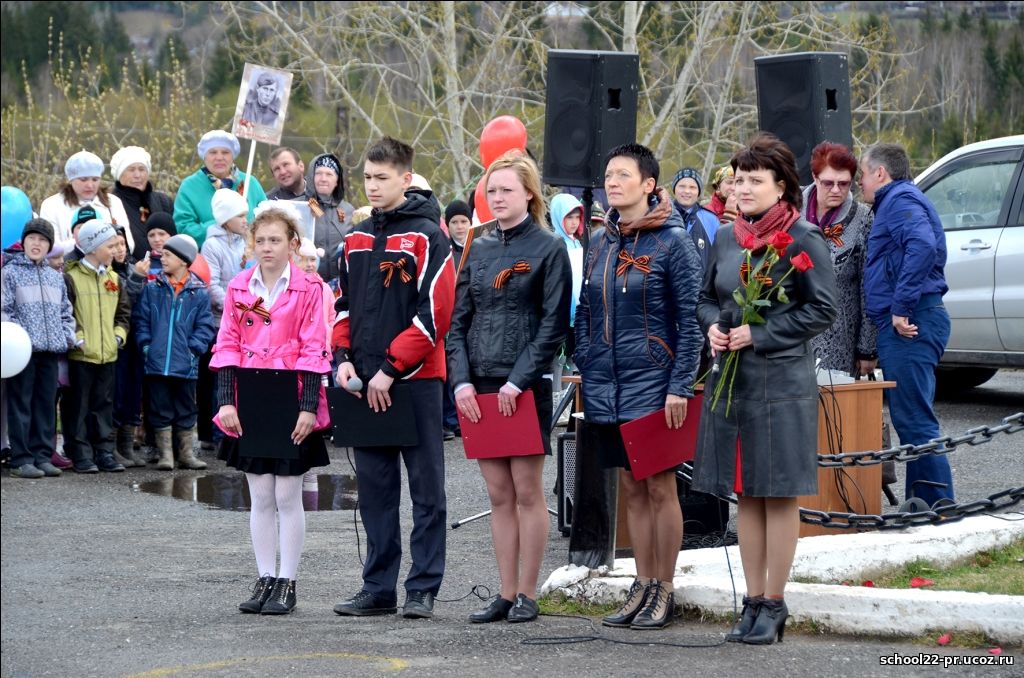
937 514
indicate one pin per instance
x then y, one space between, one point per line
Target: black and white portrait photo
262 104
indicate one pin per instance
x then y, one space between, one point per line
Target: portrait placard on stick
262 104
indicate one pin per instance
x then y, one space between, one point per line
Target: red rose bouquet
756 291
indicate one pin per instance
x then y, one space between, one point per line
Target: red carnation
780 240
802 262
749 242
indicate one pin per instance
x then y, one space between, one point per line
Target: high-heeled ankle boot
769 624
282 598
260 593
635 600
657 611
746 620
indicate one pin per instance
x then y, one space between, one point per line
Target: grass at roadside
992 571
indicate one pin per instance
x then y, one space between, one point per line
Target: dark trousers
451 416
172 402
911 364
88 407
128 386
31 413
379 481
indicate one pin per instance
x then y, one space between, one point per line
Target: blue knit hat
688 173
218 138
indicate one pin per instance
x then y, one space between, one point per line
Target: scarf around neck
812 211
654 218
779 217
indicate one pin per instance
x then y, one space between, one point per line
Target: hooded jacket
224 252
35 297
637 337
138 205
397 291
173 330
561 205
510 318
102 312
335 222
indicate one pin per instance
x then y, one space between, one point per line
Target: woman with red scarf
763 445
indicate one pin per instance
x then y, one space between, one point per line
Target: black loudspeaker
591 109
705 517
566 481
804 99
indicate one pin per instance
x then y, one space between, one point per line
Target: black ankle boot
769 624
282 598
746 621
636 598
657 611
260 592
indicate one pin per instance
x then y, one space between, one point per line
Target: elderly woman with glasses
849 345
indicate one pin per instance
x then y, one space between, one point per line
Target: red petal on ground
944 639
918 582
868 583
995 650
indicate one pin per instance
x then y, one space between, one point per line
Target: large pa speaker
565 485
804 99
591 109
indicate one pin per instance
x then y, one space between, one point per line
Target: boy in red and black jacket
397 293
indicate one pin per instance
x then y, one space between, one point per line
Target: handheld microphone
726 321
355 384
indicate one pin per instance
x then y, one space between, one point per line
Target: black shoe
496 611
27 471
635 600
107 463
746 621
447 434
85 466
282 598
418 605
524 610
657 612
366 604
769 624
260 592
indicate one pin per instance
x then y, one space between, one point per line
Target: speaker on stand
804 99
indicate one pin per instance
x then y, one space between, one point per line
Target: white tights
280 495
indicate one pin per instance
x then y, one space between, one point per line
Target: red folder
496 435
653 447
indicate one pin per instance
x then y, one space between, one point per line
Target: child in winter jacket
35 297
174 328
102 314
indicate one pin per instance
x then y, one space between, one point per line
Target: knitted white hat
127 156
83 164
228 203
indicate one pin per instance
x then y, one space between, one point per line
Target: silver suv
978 191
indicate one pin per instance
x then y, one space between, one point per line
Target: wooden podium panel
855 416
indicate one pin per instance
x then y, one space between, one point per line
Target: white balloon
15 349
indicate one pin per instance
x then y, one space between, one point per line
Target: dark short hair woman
511 316
763 444
637 347
849 345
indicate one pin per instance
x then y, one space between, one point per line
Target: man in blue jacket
903 287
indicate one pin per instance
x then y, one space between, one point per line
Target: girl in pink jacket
274 319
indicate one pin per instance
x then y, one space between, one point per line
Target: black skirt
541 396
312 452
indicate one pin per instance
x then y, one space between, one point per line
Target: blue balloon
17 210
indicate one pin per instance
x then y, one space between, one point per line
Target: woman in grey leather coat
764 445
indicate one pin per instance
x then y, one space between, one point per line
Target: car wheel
952 379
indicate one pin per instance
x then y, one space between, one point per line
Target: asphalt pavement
102 579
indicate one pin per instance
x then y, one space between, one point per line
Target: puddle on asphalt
229 491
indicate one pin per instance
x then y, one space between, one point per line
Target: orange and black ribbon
256 307
834 234
641 263
389 267
314 207
760 277
506 273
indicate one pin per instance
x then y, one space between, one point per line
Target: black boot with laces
282 598
260 593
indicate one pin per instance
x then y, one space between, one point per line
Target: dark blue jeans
911 364
379 482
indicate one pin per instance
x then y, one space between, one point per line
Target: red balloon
500 135
201 268
483 212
